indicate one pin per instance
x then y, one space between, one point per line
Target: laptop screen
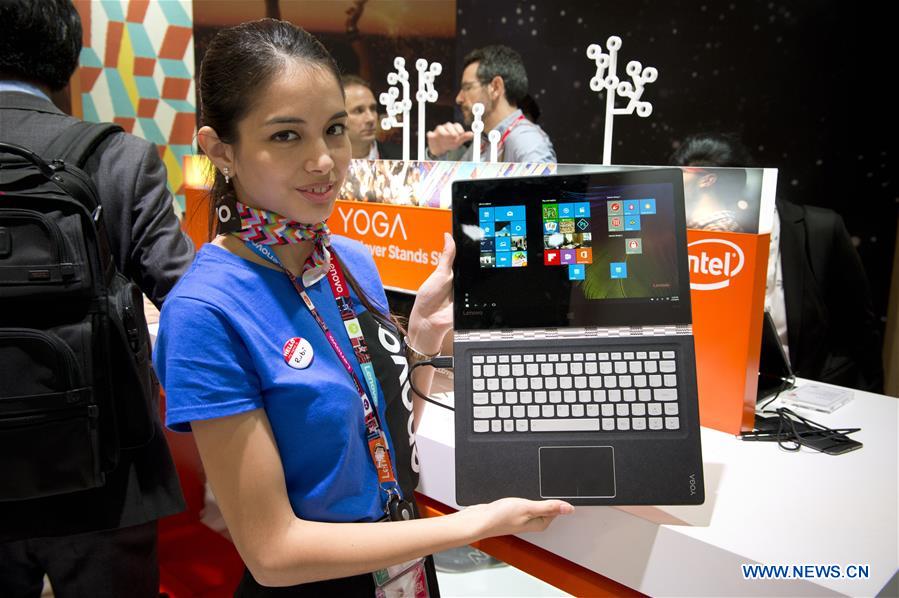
604 249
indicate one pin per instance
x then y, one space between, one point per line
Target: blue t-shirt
219 352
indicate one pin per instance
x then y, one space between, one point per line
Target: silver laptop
575 373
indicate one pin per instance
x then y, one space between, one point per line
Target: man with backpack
83 514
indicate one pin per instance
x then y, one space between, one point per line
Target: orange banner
727 280
405 241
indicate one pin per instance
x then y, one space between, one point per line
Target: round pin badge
298 353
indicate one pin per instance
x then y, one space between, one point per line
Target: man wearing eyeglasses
495 77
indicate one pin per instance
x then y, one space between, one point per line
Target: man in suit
362 122
99 542
832 330
817 292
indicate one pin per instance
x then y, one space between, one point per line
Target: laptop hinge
526 334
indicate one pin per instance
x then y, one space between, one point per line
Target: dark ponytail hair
239 62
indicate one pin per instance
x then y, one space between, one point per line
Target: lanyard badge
340 289
377 440
380 455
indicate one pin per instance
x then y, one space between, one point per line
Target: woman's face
293 153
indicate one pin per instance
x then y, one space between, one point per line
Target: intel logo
713 263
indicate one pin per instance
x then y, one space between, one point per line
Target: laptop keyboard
616 391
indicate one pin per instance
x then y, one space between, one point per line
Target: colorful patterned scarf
269 228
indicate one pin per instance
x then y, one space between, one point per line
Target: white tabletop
763 506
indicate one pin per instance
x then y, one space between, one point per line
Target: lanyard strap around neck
377 440
502 140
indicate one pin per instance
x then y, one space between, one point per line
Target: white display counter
764 506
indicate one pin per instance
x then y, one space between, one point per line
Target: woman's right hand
514 516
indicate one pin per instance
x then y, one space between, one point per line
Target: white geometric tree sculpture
394 105
426 93
493 137
606 78
477 127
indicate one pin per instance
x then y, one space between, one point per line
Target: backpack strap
76 144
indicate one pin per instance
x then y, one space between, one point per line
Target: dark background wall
363 36
803 82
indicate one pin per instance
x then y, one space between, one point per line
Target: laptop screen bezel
469 195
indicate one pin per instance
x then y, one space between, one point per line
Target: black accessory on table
775 373
792 431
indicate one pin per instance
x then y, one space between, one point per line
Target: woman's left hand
432 313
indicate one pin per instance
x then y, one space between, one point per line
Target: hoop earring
224 213
227 215
227 172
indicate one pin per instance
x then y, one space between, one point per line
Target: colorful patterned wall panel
137 69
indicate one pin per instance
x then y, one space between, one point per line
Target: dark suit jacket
150 248
832 331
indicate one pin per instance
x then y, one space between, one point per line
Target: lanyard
377 440
502 140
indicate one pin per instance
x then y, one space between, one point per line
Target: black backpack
76 386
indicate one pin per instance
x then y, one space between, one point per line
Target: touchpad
577 472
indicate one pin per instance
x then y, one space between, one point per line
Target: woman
254 347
